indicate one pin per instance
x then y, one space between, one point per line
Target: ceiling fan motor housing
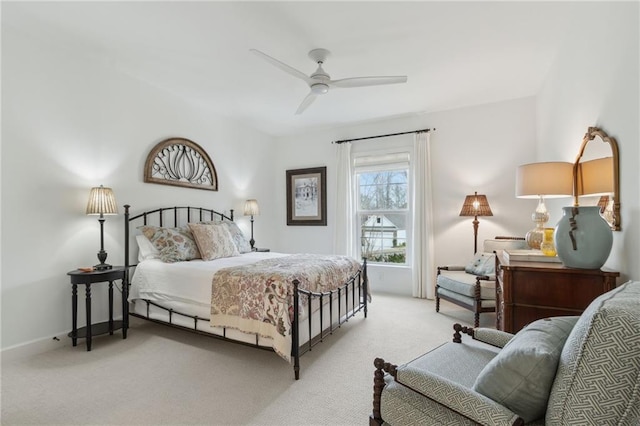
319 88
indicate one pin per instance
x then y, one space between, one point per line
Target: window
382 190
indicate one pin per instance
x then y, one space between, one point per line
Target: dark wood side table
88 278
528 291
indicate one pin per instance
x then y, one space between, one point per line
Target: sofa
473 286
556 371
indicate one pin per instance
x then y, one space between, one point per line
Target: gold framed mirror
596 174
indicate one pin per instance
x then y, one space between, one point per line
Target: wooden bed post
295 347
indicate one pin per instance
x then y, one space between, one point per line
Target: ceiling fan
319 82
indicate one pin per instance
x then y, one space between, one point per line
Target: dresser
527 291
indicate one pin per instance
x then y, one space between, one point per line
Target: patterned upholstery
493 337
597 381
400 407
598 378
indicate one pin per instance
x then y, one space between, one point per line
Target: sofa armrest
450 268
464 401
489 336
492 337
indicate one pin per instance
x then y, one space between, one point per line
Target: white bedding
185 286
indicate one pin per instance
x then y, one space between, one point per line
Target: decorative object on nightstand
548 247
583 237
251 209
539 180
102 202
475 205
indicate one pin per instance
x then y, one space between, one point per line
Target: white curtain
344 241
422 256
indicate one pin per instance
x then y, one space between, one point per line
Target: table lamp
552 179
102 202
251 209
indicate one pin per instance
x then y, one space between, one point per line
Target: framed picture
307 196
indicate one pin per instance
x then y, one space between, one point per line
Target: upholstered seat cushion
463 283
598 376
437 383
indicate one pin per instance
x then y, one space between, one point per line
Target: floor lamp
251 209
475 205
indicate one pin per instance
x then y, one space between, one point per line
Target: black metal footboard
358 302
343 302
350 298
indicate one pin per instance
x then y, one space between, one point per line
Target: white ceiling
454 53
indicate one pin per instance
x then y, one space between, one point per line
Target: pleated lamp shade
251 208
102 201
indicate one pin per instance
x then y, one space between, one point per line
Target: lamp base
534 238
102 267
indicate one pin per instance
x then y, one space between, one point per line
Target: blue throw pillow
521 375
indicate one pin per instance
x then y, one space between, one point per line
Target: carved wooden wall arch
180 162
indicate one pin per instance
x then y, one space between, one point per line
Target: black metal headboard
165 216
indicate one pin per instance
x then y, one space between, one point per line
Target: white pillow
146 249
482 264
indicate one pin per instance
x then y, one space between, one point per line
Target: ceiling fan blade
306 102
284 67
367 81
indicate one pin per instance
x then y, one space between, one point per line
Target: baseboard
38 346
35 347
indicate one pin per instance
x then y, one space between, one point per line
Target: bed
285 303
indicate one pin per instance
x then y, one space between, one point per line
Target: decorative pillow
237 236
146 249
482 264
214 241
521 375
241 242
173 244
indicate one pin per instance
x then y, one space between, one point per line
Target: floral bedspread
258 298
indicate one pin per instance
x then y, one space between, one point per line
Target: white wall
473 149
70 123
594 82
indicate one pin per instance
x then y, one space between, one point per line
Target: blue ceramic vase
583 238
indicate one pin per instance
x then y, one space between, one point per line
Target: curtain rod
384 136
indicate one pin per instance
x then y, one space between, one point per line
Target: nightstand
261 250
88 278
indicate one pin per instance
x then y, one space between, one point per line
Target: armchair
559 371
474 286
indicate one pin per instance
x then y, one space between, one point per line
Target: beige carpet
159 375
